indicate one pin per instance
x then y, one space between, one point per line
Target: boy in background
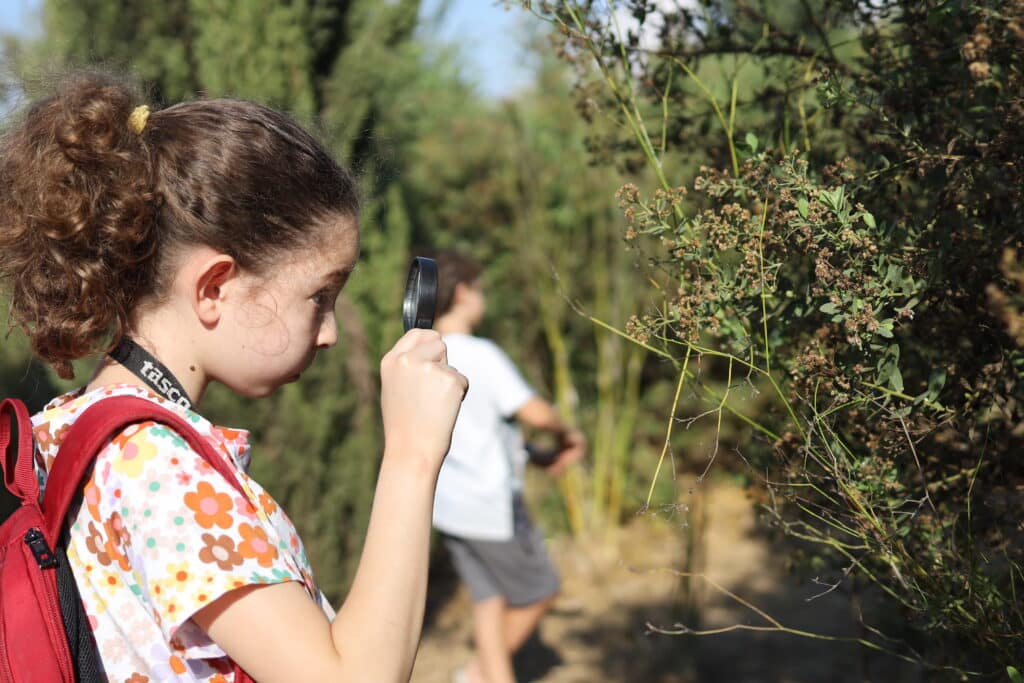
478 507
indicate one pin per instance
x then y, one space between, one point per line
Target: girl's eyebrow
338 277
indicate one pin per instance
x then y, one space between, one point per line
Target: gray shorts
518 569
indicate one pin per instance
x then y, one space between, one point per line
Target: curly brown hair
93 214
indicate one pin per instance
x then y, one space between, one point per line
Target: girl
211 239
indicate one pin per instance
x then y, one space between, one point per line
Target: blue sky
487 31
490 36
17 16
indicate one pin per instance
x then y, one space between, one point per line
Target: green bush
853 259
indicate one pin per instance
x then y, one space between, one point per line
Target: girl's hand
420 398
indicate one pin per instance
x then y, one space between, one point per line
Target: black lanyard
143 365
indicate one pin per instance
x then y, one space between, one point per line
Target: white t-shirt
486 461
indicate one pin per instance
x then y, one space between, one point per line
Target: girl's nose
328 334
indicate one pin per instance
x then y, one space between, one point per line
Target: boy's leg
517 623
493 662
520 622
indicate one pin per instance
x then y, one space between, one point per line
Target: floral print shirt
160 534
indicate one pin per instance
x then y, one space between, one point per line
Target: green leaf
936 381
896 378
828 308
868 219
752 142
826 199
803 207
1014 675
833 199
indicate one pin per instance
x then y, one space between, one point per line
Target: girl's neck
188 373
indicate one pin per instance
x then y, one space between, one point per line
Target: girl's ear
210 277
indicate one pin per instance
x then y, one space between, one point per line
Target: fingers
573 450
417 344
424 346
414 338
561 464
420 397
574 438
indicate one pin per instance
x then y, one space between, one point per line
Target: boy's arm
540 414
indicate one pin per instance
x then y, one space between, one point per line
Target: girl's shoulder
52 423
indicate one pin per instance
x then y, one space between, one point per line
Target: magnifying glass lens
420 299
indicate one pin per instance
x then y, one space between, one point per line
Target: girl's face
274 329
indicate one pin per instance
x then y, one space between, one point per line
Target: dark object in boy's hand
542 457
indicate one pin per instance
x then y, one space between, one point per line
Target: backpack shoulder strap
19 476
92 430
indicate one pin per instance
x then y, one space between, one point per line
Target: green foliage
886 340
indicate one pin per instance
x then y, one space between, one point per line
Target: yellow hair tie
137 119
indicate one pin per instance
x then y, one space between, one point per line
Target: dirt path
599 631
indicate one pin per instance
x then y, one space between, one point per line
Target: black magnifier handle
420 299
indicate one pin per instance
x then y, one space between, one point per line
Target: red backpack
44 632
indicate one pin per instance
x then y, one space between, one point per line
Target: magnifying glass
420 299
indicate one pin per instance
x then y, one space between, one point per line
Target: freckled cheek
264 327
273 339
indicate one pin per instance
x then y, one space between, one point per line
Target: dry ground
599 631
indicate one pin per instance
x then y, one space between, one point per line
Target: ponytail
77 207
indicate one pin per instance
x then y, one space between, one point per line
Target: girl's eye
322 298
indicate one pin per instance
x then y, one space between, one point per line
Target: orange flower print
106 543
179 573
211 508
268 504
245 508
95 545
117 540
42 435
45 438
255 544
128 432
137 678
220 551
91 498
111 583
237 437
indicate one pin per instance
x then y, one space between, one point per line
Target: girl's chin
268 389
265 390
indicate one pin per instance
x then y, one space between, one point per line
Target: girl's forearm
377 629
